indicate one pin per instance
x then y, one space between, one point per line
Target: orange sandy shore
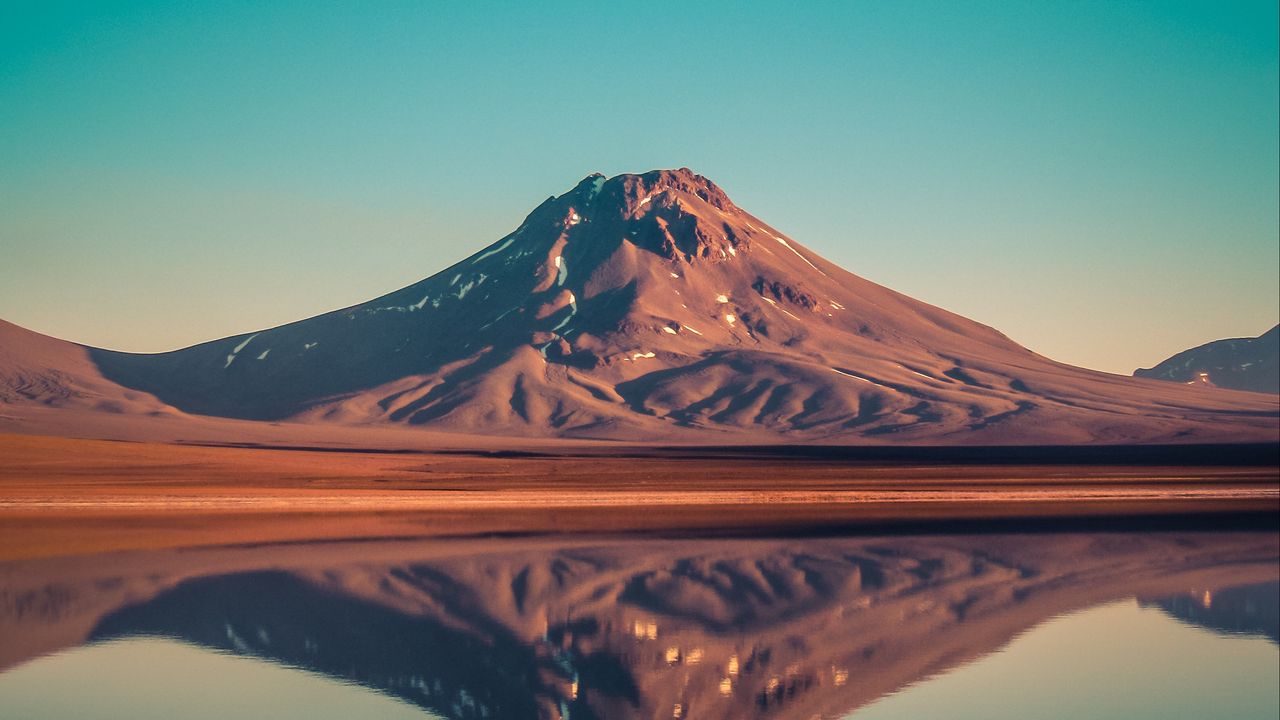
66 496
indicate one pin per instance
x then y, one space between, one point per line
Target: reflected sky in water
153 678
1132 625
1119 660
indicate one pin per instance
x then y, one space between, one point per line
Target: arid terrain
61 496
604 361
643 457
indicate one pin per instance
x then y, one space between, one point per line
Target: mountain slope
1239 363
39 370
650 306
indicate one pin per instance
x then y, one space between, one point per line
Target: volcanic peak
632 191
646 306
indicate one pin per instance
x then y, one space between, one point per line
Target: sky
1099 181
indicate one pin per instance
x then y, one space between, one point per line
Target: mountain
620 628
650 307
37 369
1239 363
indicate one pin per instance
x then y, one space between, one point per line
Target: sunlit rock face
646 307
627 629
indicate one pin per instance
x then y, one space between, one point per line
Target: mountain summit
651 306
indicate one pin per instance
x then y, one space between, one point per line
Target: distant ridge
1238 363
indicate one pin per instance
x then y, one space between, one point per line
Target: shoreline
61 496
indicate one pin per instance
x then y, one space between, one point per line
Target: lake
1115 624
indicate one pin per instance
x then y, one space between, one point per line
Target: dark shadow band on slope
1198 455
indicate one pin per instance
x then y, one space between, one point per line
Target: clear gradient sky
1100 181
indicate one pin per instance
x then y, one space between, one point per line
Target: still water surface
1119 625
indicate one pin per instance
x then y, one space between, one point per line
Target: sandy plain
61 496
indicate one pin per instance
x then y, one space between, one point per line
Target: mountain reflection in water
786 628
1248 610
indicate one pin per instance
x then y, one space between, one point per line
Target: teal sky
1098 180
